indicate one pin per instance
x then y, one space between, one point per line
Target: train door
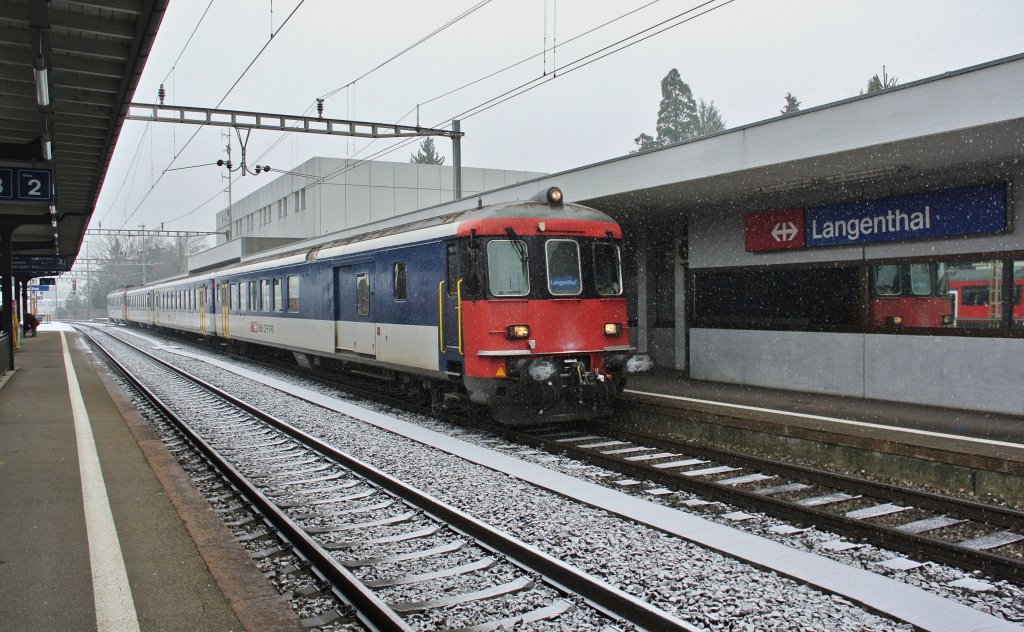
354 327
201 307
449 321
225 308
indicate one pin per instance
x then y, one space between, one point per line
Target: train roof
426 229
431 228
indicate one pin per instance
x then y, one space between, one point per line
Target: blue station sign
40 263
950 212
26 185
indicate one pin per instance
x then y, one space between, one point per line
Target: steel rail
370 609
914 544
599 594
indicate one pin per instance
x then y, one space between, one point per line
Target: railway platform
101 528
950 449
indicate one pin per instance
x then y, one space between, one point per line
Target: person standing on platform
31 322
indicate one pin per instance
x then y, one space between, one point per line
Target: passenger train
909 295
518 307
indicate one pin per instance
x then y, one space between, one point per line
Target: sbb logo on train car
778 230
260 328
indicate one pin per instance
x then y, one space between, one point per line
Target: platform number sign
6 184
26 185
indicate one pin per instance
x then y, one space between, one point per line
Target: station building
867 248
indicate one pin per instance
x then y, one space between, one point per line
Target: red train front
910 295
544 332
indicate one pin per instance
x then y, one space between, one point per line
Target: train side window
563 260
254 296
363 294
607 269
451 269
278 296
264 297
293 293
399 281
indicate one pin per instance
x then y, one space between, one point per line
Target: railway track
931 527
399 558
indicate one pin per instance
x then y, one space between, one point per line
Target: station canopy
68 69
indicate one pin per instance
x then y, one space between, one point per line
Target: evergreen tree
877 83
427 154
792 104
709 119
677 115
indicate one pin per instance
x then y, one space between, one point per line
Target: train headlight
612 329
947 320
555 196
518 332
894 321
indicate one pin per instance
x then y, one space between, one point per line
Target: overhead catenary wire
525 87
675 21
219 103
166 77
496 73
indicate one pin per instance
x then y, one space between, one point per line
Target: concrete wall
971 373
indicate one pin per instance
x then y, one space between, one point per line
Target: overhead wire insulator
320 108
161 93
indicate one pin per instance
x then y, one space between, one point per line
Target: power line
387 61
556 73
233 86
169 72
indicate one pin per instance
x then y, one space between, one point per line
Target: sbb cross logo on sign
777 230
784 231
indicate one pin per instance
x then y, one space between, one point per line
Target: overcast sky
743 55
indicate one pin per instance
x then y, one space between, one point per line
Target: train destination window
563 256
507 267
278 296
293 293
399 281
607 269
363 294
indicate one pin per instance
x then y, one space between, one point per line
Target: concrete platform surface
101 528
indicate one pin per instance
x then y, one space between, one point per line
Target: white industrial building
326 195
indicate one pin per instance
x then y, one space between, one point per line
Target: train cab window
508 272
399 281
293 293
886 280
563 258
921 279
278 296
363 294
607 269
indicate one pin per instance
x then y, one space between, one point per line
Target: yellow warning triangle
501 372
